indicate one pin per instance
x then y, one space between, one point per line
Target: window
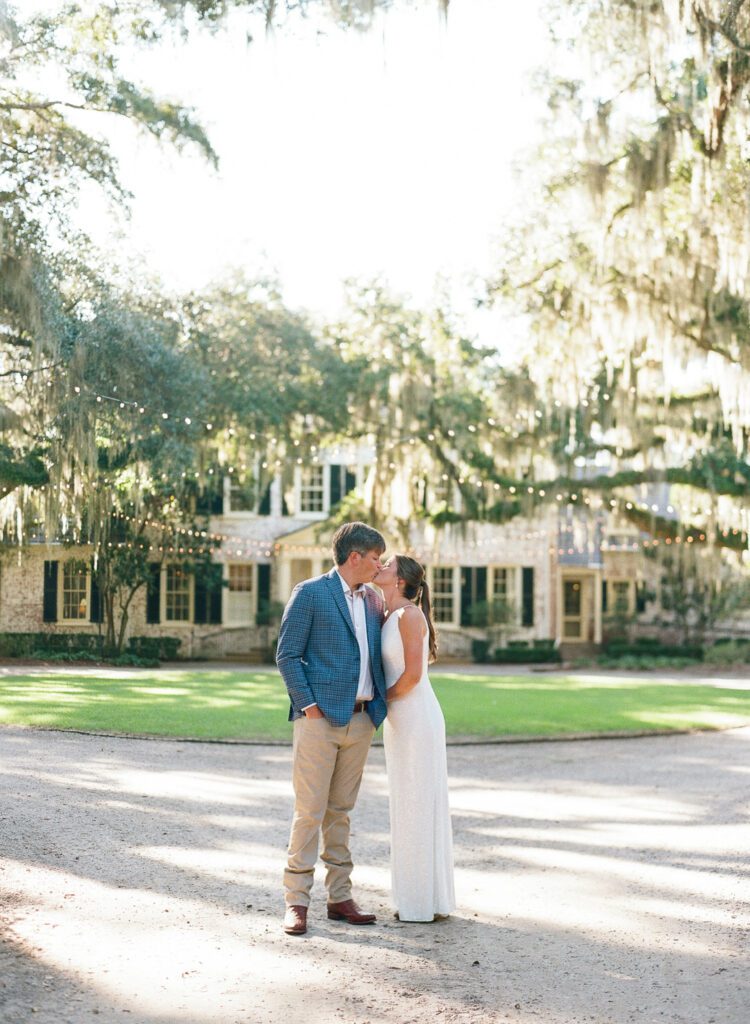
501 585
442 490
242 495
240 578
177 594
240 593
442 594
75 592
504 585
621 599
311 492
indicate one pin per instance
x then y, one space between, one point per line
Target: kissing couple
350 657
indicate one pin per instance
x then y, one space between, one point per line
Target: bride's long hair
417 589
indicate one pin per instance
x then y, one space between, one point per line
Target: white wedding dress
421 839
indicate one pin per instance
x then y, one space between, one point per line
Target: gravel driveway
602 881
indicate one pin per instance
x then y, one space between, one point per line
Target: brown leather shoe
350 912
295 920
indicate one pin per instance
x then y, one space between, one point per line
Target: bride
414 739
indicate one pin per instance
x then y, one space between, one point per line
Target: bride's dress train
421 838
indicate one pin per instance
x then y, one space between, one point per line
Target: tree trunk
109 615
125 617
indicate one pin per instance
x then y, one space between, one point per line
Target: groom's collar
347 589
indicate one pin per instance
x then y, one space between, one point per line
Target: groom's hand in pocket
313 712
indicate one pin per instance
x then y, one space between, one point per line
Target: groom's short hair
355 537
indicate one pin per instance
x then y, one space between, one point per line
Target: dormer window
312 489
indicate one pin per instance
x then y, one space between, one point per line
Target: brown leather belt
361 705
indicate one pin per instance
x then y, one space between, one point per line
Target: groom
329 657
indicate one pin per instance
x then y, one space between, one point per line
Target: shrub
135 660
728 652
44 654
525 655
23 645
544 645
144 651
651 647
480 651
154 648
644 662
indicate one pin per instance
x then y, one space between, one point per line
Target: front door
573 609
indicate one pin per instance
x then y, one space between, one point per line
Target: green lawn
253 705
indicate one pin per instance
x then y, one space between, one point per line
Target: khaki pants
327 771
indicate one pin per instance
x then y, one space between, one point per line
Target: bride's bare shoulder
411 621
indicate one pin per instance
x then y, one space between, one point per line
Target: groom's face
366 565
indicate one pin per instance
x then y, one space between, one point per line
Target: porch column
597 582
276 496
283 588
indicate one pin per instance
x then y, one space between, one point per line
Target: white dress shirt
356 603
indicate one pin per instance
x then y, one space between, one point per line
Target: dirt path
600 882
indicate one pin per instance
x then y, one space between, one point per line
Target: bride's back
392 645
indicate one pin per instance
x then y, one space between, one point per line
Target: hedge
163 648
24 645
652 647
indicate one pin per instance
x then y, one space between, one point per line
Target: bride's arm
412 627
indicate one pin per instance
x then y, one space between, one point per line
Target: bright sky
342 154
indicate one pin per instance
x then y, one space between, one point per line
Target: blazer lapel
373 623
337 591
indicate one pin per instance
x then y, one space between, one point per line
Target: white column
597 584
283 578
457 595
276 496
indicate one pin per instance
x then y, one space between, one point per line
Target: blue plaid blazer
318 654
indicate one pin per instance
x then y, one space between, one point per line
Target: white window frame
86 619
232 482
190 620
225 616
455 593
326 485
611 582
513 589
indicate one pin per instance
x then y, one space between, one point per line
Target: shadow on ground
600 881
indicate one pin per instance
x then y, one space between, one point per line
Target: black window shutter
465 594
473 590
96 613
50 591
604 596
334 492
264 595
200 603
153 593
264 508
527 596
264 583
350 482
210 502
641 597
214 597
207 602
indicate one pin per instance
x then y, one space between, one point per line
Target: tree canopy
630 262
